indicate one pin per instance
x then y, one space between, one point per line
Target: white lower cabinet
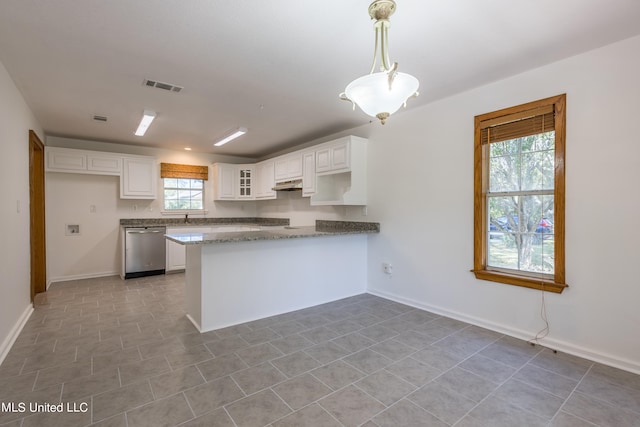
176 254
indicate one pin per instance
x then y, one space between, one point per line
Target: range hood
293 185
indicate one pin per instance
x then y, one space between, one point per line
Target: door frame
37 216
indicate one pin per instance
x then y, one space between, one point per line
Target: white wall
94 252
299 210
421 191
15 121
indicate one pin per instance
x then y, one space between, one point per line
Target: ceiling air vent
98 118
161 85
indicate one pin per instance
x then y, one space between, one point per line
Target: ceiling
275 67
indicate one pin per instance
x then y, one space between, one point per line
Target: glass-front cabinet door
245 183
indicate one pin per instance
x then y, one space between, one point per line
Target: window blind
172 170
518 125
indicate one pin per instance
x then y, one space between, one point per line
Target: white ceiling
275 67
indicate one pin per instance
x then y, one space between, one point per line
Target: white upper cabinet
104 164
66 160
246 179
334 156
138 174
139 178
265 180
83 161
288 167
332 173
224 176
309 174
234 182
341 172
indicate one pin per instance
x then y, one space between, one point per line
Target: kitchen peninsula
236 277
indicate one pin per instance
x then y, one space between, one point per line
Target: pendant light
380 94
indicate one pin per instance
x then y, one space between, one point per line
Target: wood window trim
480 232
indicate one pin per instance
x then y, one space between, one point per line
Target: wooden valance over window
517 125
172 170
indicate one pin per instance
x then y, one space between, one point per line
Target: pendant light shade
380 94
377 97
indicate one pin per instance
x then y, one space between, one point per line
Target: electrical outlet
387 268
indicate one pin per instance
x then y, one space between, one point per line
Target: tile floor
126 353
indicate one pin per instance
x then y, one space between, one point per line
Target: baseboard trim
192 320
51 280
15 333
563 346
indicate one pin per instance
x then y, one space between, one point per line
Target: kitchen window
519 185
183 194
183 187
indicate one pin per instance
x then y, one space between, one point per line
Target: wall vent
160 85
99 118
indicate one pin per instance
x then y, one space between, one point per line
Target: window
183 186
519 155
183 194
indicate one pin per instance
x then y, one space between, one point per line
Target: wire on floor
543 315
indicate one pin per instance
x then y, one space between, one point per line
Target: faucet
186 218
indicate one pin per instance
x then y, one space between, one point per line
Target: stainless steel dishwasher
145 250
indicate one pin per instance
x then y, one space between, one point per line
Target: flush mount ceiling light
147 118
380 94
233 135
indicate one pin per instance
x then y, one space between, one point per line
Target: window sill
526 282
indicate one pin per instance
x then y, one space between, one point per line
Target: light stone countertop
322 228
195 221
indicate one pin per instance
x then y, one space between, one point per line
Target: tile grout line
573 391
499 385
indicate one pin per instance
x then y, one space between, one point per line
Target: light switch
92 208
